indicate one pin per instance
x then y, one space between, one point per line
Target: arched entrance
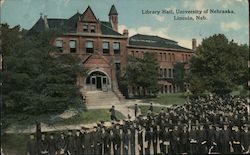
98 80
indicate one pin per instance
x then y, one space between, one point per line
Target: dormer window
85 28
59 45
92 28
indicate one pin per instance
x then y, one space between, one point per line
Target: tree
179 75
143 72
35 81
218 65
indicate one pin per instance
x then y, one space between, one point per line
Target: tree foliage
179 75
34 80
143 72
219 65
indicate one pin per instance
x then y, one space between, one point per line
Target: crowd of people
203 125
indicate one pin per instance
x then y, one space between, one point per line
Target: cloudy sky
235 26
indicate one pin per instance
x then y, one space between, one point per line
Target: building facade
104 51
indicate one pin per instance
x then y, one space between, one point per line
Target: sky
130 15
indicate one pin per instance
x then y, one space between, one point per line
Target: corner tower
113 17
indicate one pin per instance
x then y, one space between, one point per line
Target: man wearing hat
62 145
237 140
78 143
202 139
112 114
184 140
193 140
31 145
246 139
43 147
52 145
70 143
225 139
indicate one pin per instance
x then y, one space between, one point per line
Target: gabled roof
89 12
154 41
113 10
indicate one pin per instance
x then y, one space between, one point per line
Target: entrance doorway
97 81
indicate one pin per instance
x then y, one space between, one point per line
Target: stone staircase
101 98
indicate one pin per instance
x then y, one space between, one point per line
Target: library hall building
104 51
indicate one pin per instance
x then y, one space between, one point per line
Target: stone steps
100 98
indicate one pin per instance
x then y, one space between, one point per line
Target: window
116 48
89 47
186 58
85 28
165 72
169 73
132 53
105 47
92 28
59 45
160 72
183 60
72 46
169 56
173 59
160 56
165 56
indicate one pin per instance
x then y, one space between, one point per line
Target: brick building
104 51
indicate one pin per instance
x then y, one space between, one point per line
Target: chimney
125 32
194 44
46 21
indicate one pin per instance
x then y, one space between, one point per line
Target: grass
90 116
169 99
14 144
84 117
144 109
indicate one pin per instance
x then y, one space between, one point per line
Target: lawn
169 99
84 117
15 144
144 109
90 116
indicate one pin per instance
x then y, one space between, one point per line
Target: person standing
70 143
140 137
149 139
225 139
78 143
52 145
31 145
202 140
136 110
184 140
43 146
151 108
113 114
237 140
193 140
62 145
246 139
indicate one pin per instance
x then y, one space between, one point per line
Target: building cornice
159 48
95 35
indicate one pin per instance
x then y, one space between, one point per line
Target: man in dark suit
32 145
